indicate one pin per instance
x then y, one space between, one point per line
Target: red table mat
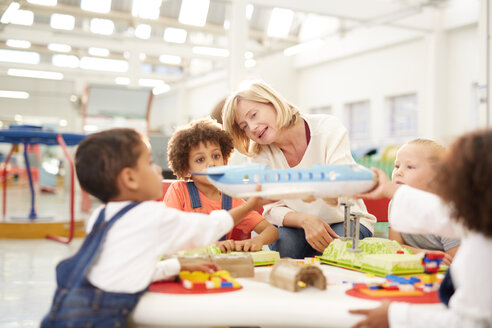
174 287
423 298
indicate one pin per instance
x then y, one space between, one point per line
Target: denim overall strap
226 202
196 203
90 248
78 303
446 290
194 195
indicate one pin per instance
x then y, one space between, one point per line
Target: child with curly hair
416 165
194 148
463 208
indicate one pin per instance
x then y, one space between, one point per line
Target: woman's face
257 120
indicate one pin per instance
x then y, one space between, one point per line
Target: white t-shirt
127 259
417 211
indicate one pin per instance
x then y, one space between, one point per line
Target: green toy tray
378 271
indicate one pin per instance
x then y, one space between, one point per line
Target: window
358 120
403 116
321 110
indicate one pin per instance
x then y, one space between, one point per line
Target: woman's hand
318 233
249 245
376 318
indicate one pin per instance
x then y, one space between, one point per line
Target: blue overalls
196 203
77 303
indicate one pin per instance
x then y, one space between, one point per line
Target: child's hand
226 246
447 259
376 318
208 267
383 189
257 202
249 245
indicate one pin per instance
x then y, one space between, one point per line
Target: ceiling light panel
175 35
62 22
194 12
35 74
170 59
103 64
18 43
59 47
10 12
13 94
209 51
101 52
21 57
101 26
98 6
280 22
143 31
149 9
22 17
43 2
69 61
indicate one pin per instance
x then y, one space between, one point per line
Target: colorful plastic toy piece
202 280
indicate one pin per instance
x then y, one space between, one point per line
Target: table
32 135
260 304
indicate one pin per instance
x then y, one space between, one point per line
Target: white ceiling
350 14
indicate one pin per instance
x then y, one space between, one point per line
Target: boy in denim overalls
101 284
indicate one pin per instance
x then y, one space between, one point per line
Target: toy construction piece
293 276
201 280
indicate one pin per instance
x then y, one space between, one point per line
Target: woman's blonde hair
287 114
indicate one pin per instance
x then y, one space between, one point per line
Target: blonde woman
269 129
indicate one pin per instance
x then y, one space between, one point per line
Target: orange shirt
177 196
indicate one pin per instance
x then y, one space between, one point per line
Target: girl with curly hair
193 148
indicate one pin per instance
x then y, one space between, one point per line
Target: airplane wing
278 194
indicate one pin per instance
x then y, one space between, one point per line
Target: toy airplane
320 181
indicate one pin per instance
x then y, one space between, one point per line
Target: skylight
170 59
194 12
143 31
43 2
35 74
59 47
149 9
62 22
18 43
101 26
21 57
98 6
280 22
175 35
